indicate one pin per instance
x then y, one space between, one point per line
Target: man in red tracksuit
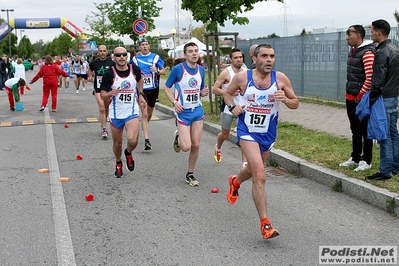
50 73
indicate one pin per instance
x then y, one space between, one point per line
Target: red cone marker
89 197
215 190
79 157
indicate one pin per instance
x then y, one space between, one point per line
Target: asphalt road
151 216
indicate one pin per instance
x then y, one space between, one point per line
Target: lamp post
173 31
20 33
157 35
9 34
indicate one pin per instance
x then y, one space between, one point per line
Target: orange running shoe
232 194
218 154
268 231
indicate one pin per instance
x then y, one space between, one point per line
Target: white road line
65 252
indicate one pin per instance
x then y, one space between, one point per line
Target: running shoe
176 142
349 162
129 161
268 231
232 194
363 165
77 91
118 170
147 145
190 179
41 108
104 133
217 154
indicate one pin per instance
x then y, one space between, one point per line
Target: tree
396 14
216 12
122 14
198 32
25 48
100 26
39 49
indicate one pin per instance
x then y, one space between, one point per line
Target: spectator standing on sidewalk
262 90
385 82
359 72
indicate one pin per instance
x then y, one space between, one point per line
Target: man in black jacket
385 82
359 73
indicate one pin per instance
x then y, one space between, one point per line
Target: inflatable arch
41 23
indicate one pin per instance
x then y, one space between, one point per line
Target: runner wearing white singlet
122 88
226 117
76 69
262 89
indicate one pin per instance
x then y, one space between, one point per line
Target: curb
378 197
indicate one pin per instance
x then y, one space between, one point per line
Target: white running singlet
125 103
224 87
261 108
188 88
76 67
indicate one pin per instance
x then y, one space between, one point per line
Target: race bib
257 119
125 98
147 79
99 79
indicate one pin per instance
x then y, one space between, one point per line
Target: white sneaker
349 162
77 91
84 88
363 166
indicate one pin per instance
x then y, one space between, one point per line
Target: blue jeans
389 148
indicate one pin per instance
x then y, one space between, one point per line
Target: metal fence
316 63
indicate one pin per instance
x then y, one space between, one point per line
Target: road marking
5 124
49 121
63 240
27 122
91 120
63 121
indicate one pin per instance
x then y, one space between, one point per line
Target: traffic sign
93 45
140 26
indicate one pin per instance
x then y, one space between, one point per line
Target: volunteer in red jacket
50 73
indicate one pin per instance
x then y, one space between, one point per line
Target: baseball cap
143 40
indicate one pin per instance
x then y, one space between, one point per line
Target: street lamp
157 35
9 34
173 31
20 33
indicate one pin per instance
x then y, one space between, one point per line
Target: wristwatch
231 107
174 102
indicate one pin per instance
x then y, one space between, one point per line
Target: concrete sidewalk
327 119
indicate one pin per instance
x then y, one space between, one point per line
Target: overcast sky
267 17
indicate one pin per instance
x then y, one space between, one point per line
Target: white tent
201 47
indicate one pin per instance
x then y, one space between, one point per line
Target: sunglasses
348 32
120 54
